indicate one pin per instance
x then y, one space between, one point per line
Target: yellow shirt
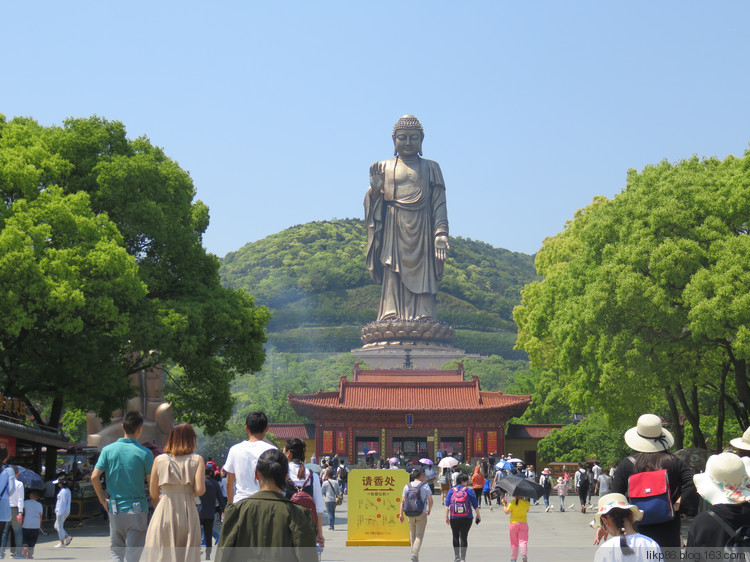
518 512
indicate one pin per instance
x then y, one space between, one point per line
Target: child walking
562 491
615 516
518 528
32 522
486 493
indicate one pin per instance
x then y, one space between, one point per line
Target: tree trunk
743 389
53 422
674 415
721 415
692 415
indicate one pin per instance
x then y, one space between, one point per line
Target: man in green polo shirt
127 465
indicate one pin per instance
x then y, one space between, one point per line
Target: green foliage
217 445
104 273
591 438
285 373
74 425
313 277
646 296
488 343
517 377
70 297
494 372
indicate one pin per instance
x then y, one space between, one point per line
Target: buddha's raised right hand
377 179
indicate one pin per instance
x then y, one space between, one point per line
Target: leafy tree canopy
644 303
104 273
592 438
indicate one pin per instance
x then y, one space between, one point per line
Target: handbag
339 499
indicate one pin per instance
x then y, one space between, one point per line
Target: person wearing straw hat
726 486
742 444
651 442
616 517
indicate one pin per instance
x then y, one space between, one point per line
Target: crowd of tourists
272 505
640 507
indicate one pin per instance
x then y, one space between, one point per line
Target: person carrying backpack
416 504
652 441
458 505
303 485
582 485
342 476
545 480
726 487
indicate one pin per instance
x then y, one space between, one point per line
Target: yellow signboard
374 503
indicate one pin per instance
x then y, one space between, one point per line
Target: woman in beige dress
177 478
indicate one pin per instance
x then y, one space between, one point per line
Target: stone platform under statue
404 344
408 356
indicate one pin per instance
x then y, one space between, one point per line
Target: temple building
381 413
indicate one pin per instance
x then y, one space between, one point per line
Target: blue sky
277 109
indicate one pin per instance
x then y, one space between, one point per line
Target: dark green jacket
267 526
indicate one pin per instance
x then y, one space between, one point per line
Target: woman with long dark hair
302 478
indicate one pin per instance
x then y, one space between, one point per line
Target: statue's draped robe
401 225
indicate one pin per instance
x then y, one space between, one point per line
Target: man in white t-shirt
243 458
603 485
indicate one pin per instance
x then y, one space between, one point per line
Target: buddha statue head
408 135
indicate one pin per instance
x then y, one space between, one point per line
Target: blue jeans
331 509
12 526
60 526
546 499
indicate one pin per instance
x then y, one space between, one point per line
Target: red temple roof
408 391
292 430
530 431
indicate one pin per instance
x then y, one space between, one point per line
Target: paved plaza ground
552 536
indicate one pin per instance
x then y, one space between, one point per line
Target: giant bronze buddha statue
407 227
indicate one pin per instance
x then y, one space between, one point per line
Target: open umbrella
505 465
393 460
514 460
314 467
371 453
30 479
521 487
425 461
448 462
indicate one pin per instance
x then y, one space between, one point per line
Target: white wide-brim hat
615 501
742 442
648 436
725 481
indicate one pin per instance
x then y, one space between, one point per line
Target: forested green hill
314 279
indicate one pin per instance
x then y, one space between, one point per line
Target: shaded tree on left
103 273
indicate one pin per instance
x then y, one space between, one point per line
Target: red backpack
303 497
